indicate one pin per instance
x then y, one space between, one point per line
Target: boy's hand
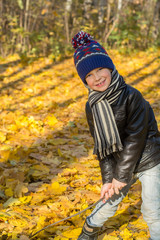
116 185
106 191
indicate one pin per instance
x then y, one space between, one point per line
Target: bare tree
101 11
156 21
26 23
66 18
87 8
108 28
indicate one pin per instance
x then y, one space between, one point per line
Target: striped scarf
106 135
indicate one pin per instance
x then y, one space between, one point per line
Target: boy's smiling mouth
101 83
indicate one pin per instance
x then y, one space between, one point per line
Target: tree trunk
156 21
66 19
108 13
1 19
26 23
119 7
101 10
21 26
1 8
26 15
87 8
149 17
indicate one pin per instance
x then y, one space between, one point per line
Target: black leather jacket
139 135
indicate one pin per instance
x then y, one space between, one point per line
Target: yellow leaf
69 172
140 235
72 233
2 137
140 223
25 199
51 120
55 185
107 237
22 122
44 11
9 192
11 201
14 235
42 168
60 238
67 204
40 224
126 234
84 206
12 127
56 188
4 155
18 222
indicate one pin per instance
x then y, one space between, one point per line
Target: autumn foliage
47 170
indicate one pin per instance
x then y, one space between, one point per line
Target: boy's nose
97 76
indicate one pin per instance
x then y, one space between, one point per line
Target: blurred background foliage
34 28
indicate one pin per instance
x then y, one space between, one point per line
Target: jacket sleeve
136 130
90 119
105 164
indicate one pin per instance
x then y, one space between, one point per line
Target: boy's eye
100 69
89 75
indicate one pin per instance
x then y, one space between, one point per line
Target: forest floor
47 170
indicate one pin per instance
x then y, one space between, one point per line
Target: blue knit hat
89 55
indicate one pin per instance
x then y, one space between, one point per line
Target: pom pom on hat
80 39
89 55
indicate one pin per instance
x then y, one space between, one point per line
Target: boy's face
99 79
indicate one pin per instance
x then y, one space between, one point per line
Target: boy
126 137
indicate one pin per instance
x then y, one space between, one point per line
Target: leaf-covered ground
47 170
